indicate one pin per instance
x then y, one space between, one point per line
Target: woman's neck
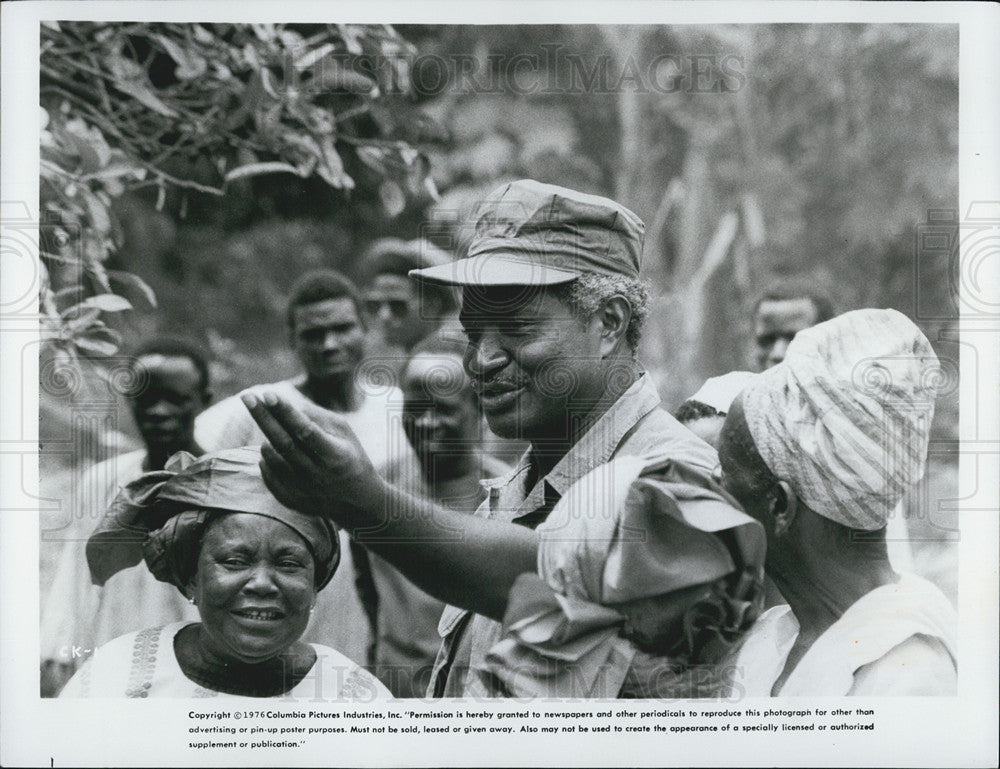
267 678
824 587
820 589
820 592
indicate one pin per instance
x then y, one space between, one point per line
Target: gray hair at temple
590 291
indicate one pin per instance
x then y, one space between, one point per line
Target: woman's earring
191 600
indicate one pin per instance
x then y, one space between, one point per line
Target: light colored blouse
898 640
143 664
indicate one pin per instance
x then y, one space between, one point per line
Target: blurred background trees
819 153
209 165
214 162
157 136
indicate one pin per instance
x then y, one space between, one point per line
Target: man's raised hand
312 461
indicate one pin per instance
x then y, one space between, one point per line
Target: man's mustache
496 385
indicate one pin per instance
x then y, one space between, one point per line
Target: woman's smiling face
254 587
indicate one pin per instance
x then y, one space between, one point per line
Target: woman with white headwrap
820 449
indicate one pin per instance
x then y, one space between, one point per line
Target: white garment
143 664
339 619
898 640
377 421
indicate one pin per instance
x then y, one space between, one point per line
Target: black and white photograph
533 388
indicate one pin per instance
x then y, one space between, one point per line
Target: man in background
785 308
327 330
168 387
402 311
443 424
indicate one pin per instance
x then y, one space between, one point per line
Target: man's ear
614 317
784 508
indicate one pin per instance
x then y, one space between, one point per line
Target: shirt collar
594 448
598 444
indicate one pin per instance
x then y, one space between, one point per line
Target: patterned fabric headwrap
845 418
161 517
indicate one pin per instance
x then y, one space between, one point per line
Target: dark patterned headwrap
161 517
631 529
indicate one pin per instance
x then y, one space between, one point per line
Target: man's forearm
458 558
313 462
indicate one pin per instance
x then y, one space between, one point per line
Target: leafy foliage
204 109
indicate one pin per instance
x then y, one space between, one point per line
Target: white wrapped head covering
719 392
845 418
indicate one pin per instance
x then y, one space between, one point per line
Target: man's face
172 394
439 413
776 324
534 364
329 338
393 304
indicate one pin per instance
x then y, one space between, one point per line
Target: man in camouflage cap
553 307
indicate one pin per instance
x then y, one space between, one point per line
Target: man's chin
509 426
163 442
513 426
333 374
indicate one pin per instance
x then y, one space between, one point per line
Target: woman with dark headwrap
250 565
